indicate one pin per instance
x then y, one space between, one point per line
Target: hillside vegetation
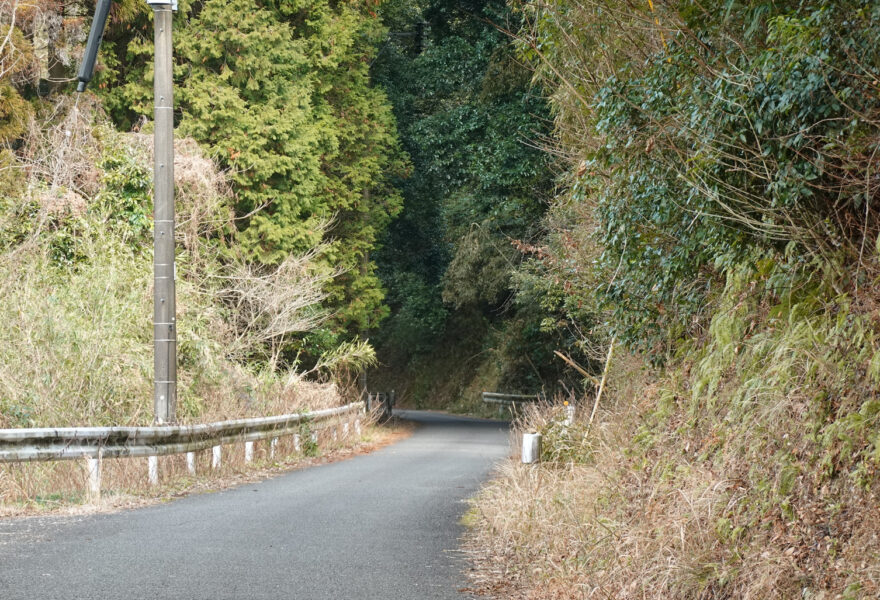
719 222
76 265
285 153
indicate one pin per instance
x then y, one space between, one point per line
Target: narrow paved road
380 526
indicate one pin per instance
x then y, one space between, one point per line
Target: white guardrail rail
70 443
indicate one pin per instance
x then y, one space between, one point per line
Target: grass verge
746 468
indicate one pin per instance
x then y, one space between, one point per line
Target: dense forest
677 195
471 122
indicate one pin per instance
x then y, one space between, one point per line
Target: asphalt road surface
383 526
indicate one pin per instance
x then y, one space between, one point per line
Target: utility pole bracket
161 2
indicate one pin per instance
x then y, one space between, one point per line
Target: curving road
383 526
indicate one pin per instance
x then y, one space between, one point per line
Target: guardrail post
385 401
94 467
296 445
273 444
357 427
248 452
216 457
191 463
153 469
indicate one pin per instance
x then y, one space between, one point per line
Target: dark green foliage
745 127
246 96
126 197
468 118
280 95
419 319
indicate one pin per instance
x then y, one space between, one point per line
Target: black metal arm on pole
99 22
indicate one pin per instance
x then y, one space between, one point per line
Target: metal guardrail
384 400
510 399
69 443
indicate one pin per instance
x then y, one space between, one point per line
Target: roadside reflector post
569 414
531 448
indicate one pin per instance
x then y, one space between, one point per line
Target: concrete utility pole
164 294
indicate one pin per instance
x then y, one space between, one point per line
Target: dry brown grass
665 519
247 395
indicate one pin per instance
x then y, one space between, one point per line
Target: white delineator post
569 414
531 448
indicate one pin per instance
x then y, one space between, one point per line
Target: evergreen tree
280 94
